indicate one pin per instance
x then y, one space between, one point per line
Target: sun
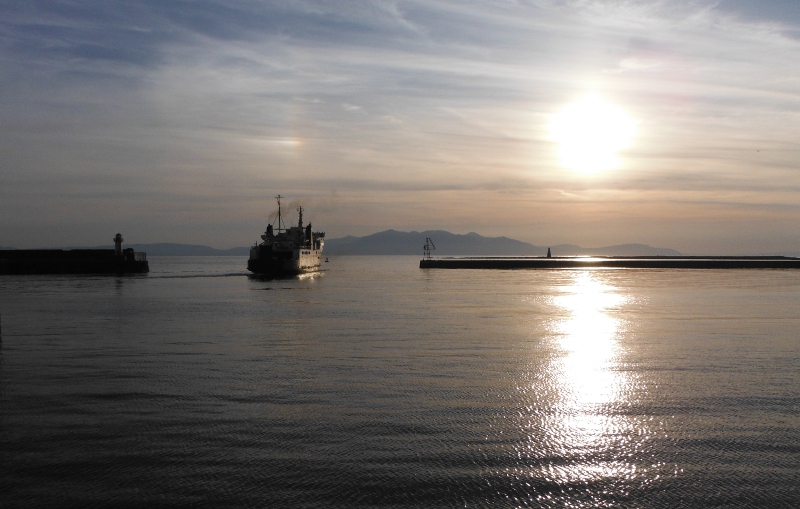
590 132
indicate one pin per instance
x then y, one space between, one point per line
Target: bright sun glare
590 132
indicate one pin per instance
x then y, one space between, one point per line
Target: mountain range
392 242
170 249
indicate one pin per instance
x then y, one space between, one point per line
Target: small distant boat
290 251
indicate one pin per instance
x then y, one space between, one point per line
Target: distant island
392 242
170 249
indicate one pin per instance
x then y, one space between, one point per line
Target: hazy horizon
500 252
179 122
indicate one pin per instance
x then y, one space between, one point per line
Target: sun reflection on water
585 426
588 336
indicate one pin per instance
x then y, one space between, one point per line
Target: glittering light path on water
377 384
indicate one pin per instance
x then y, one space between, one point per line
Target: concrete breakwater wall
75 261
628 262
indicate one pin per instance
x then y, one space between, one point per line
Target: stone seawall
628 262
75 261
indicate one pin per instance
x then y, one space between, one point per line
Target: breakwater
74 261
626 262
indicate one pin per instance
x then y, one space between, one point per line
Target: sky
180 121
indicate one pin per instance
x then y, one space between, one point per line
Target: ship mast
280 220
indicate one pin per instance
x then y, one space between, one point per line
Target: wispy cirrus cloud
424 104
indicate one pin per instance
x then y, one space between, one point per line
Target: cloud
159 103
784 12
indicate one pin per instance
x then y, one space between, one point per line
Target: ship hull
299 261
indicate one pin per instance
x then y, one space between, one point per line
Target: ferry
287 251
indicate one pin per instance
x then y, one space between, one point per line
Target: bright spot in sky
590 132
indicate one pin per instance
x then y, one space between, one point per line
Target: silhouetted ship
74 261
290 251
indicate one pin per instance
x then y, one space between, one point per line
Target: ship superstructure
287 251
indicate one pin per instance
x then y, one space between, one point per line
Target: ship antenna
427 248
280 221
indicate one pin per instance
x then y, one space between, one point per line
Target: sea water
377 384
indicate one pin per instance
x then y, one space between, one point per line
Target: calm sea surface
377 384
